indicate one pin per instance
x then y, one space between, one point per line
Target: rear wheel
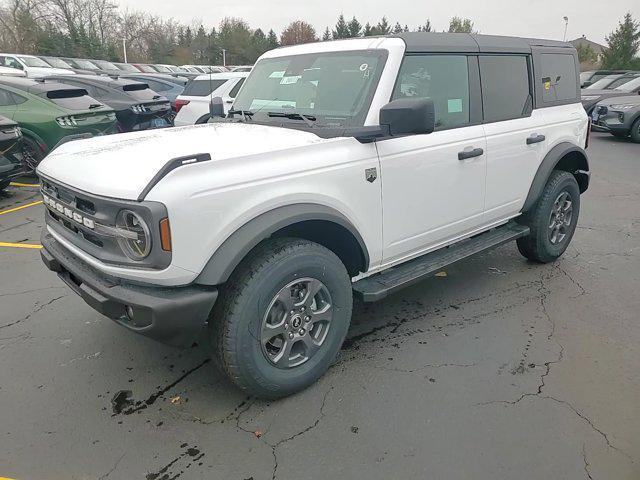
552 220
4 184
282 317
635 131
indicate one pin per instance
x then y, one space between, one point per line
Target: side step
378 286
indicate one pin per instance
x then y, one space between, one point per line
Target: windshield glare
34 62
334 87
603 83
86 64
105 64
631 86
57 63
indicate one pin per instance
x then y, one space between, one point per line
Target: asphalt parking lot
496 369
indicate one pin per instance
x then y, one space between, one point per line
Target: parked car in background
619 116
591 97
12 72
83 64
613 81
137 107
590 77
144 68
56 62
192 106
33 66
10 151
50 113
106 67
127 67
165 85
242 68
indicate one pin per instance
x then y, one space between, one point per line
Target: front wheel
635 131
552 220
282 317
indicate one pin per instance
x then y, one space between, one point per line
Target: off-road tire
537 246
635 131
237 317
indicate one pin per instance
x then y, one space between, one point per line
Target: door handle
465 154
535 139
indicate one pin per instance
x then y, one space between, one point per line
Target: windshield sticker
277 74
454 105
290 80
364 67
546 81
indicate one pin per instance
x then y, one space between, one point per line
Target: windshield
125 67
105 65
584 76
57 63
34 62
161 68
86 64
334 87
631 86
603 83
621 81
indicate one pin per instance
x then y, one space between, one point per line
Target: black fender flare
579 168
234 249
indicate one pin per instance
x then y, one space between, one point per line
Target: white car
12 72
349 167
242 68
33 67
192 106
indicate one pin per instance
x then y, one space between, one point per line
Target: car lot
495 368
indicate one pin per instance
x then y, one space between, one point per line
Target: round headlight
137 244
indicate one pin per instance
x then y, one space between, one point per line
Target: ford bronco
348 167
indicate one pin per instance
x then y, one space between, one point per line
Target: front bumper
174 316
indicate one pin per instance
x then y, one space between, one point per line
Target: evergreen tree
426 27
383 27
368 30
397 28
355 27
342 29
460 25
326 36
272 40
623 45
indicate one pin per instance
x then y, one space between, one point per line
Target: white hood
35 72
121 166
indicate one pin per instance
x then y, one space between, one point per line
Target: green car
51 113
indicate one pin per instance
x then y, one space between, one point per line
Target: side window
12 63
6 99
156 86
236 88
17 99
558 77
506 93
444 79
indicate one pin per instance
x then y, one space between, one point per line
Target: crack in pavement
31 291
586 462
431 365
102 477
36 310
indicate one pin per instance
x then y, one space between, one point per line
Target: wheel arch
314 222
566 157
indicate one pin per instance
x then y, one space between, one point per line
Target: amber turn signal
165 235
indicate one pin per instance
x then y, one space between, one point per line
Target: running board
378 286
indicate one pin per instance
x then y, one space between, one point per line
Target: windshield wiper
308 119
246 114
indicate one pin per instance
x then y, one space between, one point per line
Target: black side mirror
407 116
216 107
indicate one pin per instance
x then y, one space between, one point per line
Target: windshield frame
356 119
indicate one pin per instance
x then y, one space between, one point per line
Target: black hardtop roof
473 43
35 87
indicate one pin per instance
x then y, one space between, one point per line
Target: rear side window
444 79
155 85
6 99
202 88
73 99
559 77
236 88
506 93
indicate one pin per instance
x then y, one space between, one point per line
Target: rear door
516 133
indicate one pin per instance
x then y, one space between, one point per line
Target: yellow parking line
6 478
18 184
15 210
19 245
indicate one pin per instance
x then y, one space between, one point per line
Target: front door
433 185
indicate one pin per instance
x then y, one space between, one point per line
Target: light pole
566 25
224 57
124 49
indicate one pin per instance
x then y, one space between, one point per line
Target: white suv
192 105
357 166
